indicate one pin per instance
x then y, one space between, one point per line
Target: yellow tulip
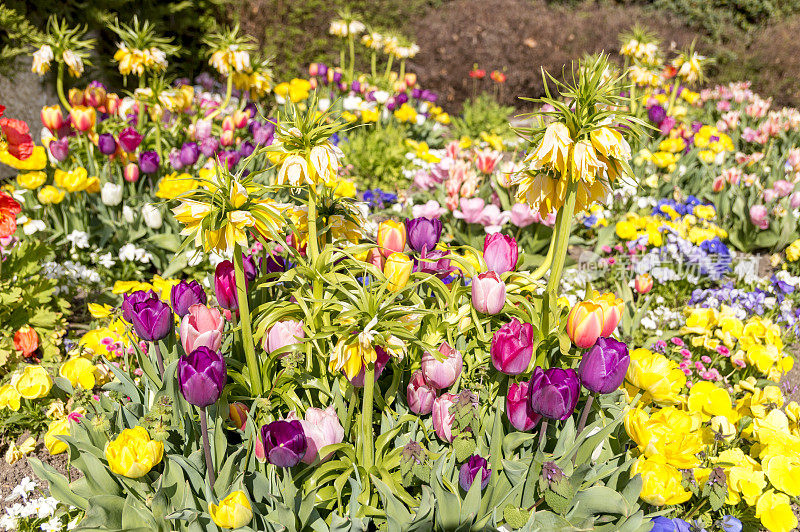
9 397
78 370
659 378
59 427
31 180
398 270
133 454
33 382
661 483
233 511
72 181
49 194
775 512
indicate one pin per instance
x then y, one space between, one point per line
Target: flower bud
234 511
488 293
391 237
111 194
285 442
59 149
603 367
442 373
200 326
473 468
500 253
129 139
225 285
283 334
512 347
518 408
423 233
152 216
83 118
612 311
149 162
185 294
106 144
398 270
443 417
237 415
585 323
131 173
52 118
643 283
419 395
554 393
201 376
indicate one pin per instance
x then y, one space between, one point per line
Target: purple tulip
381 359
129 139
401 98
59 149
355 86
337 76
419 395
130 300
434 262
518 408
246 149
512 347
554 393
202 376
152 319
175 159
423 233
225 285
285 442
274 263
657 114
470 470
185 294
251 109
208 146
488 293
416 93
322 70
189 153
262 133
603 367
149 161
230 158
442 373
250 268
500 252
106 144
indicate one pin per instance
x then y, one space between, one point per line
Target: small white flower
53 525
127 252
79 239
33 226
111 194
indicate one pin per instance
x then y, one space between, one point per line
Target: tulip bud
612 307
488 293
512 347
152 216
111 194
106 144
130 300
518 408
225 285
94 95
237 415
152 319
234 511
397 271
149 161
240 118
112 103
500 253
285 442
59 149
200 327
643 283
131 173
419 395
185 294
554 393
783 187
758 216
471 469
129 139
226 138
52 118
322 428
202 376
283 334
443 416
391 237
585 323
75 97
189 153
603 367
794 200
423 233
375 258
227 123
442 373
83 118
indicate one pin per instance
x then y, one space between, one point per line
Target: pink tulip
769 195
321 427
442 374
486 160
522 215
419 395
518 408
783 188
443 416
282 334
488 293
471 210
794 201
758 215
430 209
201 326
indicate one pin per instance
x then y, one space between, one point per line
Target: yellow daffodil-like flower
33 382
661 483
775 512
745 478
793 251
670 435
553 150
37 160
50 195
58 427
79 370
233 511
31 180
294 170
9 397
709 400
587 165
133 454
350 358
173 185
659 378
324 160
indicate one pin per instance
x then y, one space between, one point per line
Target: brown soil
791 381
11 475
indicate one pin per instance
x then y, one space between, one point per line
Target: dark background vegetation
750 39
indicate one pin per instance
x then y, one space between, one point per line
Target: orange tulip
52 118
26 340
391 237
643 283
76 96
612 311
83 118
112 103
585 323
94 96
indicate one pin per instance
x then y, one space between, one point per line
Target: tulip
129 139
131 173
52 118
111 194
250 268
381 359
443 416
26 340
152 319
518 408
612 311
133 454
240 118
95 94
106 144
469 472
391 237
152 216
202 130
130 300
512 347
225 285
783 187
83 118
322 428
500 252
554 393
794 200
758 216
237 415
397 271
419 395
185 294
189 153
585 323
442 373
59 149
208 146
285 442
283 334
75 97
643 283
234 511
58 427
112 103
375 258
423 233
175 159
201 376
769 195
488 293
149 161
603 367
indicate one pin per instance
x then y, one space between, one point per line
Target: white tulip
127 214
152 216
111 194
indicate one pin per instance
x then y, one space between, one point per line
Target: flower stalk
226 101
367 436
244 319
207 447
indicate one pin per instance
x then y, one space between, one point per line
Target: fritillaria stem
367 435
244 319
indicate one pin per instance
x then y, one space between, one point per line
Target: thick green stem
244 318
140 119
207 447
225 102
352 65
634 103
60 87
367 435
402 70
673 95
313 241
389 66
373 65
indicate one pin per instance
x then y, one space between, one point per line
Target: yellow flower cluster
296 90
697 227
656 377
793 251
76 180
173 185
33 382
422 151
137 62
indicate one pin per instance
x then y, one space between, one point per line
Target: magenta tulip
512 347
420 395
518 407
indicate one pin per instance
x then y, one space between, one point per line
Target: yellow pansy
9 397
405 113
79 370
49 194
775 512
33 382
59 427
133 454
709 400
793 251
705 212
31 180
174 184
670 435
233 511
783 472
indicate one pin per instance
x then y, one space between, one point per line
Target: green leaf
58 484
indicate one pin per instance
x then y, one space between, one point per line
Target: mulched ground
11 475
